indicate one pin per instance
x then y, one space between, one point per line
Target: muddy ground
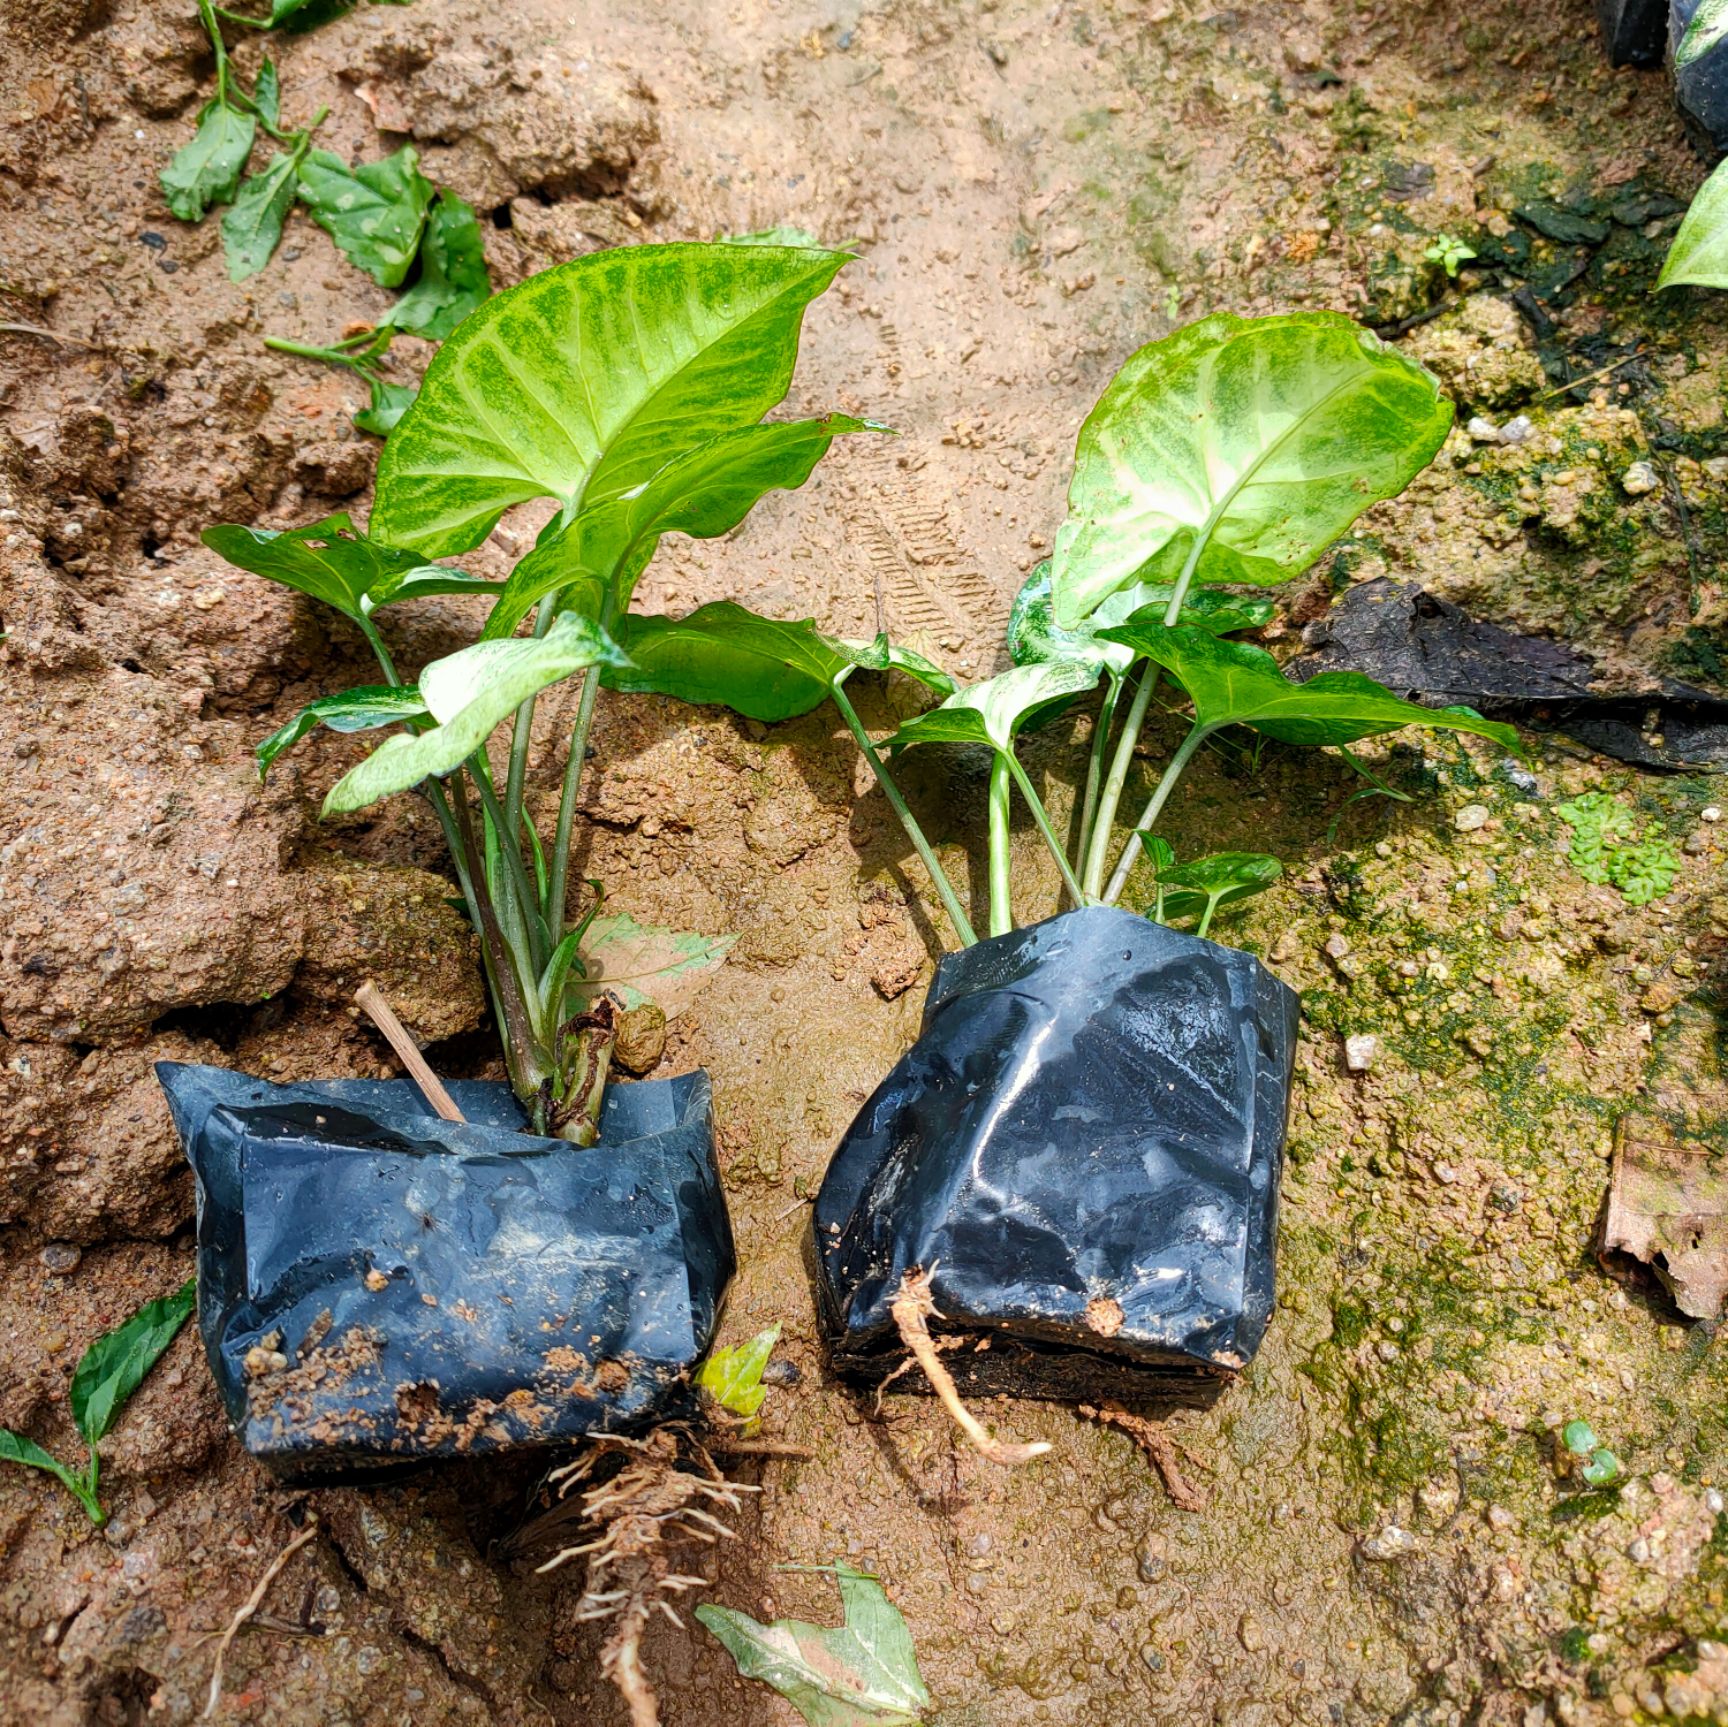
1033 191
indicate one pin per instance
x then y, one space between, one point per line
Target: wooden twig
1150 1436
252 1603
396 1034
912 1309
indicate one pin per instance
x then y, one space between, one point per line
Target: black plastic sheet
375 1284
1428 650
1084 1144
1634 31
1701 89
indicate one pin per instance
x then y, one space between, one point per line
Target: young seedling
628 388
112 1368
1608 849
1450 253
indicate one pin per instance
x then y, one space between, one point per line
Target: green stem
1154 807
510 850
1206 916
207 16
521 736
370 631
558 882
1104 822
511 998
1041 817
1095 769
305 351
1001 900
938 876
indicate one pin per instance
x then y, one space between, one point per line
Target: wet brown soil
1033 190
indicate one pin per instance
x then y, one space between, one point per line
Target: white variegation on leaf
1237 450
469 693
582 383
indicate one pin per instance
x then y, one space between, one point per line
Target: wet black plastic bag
377 1284
1701 89
1085 1143
1634 31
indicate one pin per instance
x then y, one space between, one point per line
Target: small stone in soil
61 1257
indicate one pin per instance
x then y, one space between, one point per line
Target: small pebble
1710 813
1470 818
1499 1518
1391 1543
1360 1052
60 1257
1517 430
1639 479
1484 431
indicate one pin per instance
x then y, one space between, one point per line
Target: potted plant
1074 1169
548 1259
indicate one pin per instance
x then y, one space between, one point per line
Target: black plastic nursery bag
1085 1143
1701 89
375 1284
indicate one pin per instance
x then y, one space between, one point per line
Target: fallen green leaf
733 1377
207 170
453 276
374 211
861 1674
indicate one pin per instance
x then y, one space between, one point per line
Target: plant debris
1667 1207
1430 651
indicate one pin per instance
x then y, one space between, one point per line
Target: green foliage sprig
112 1368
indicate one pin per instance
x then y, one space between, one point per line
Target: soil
1033 190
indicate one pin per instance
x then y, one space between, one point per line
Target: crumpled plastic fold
1085 1144
376 1284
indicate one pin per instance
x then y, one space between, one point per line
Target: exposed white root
912 1310
650 1505
253 1602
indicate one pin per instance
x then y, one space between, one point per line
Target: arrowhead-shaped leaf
861 1674
993 712
1237 450
1220 879
355 710
642 963
207 170
705 492
1699 254
581 383
453 274
1233 683
1708 27
1035 638
733 1376
373 211
113 1367
767 669
334 562
469 693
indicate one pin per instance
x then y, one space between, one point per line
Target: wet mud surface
1034 191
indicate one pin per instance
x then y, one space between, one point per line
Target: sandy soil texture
1033 191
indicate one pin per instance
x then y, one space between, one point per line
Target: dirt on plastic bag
1084 1145
375 1284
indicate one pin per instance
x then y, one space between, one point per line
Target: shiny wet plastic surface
376 1284
1085 1142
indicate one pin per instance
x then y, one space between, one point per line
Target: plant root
651 1503
1151 1437
912 1310
253 1602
